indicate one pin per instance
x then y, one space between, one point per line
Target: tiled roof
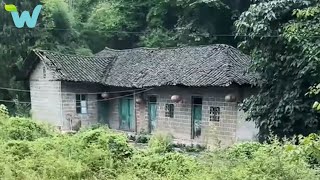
214 65
75 68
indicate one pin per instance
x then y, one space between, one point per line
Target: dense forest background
88 26
282 37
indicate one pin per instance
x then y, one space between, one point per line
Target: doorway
126 112
152 113
196 117
103 112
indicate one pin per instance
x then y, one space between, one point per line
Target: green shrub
142 137
103 138
309 148
160 166
23 129
244 150
161 143
18 149
31 151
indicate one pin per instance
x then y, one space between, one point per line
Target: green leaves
10 8
316 106
282 37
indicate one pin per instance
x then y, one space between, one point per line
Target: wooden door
126 112
152 113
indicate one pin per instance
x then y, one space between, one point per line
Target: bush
142 137
244 150
104 139
155 166
161 143
29 150
23 129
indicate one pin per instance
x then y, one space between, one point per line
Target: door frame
192 113
132 118
148 110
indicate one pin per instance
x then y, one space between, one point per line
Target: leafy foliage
99 153
157 23
55 31
161 143
282 38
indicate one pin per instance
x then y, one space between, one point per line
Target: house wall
246 131
70 115
180 125
55 102
93 91
45 96
231 127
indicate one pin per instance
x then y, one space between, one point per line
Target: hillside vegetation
31 150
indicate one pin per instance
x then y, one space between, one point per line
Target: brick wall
231 127
226 130
113 114
45 96
69 91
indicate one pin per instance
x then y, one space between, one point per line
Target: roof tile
214 65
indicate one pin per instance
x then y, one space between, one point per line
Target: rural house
192 93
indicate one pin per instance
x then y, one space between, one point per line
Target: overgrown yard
31 150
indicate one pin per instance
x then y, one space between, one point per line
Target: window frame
169 110
81 103
214 113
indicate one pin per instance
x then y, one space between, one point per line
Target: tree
158 23
283 38
54 31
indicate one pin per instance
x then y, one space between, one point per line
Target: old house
192 93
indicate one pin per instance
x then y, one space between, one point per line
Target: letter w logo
26 18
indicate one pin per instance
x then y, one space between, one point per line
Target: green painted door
196 116
127 114
152 113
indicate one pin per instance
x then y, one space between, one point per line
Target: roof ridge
68 54
107 69
229 66
168 48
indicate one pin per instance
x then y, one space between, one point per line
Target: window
214 113
169 110
44 72
81 104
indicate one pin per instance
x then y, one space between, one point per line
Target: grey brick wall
226 131
45 96
231 127
113 117
69 91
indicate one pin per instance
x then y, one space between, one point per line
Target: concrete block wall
69 91
246 130
224 132
180 125
113 118
45 96
141 114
